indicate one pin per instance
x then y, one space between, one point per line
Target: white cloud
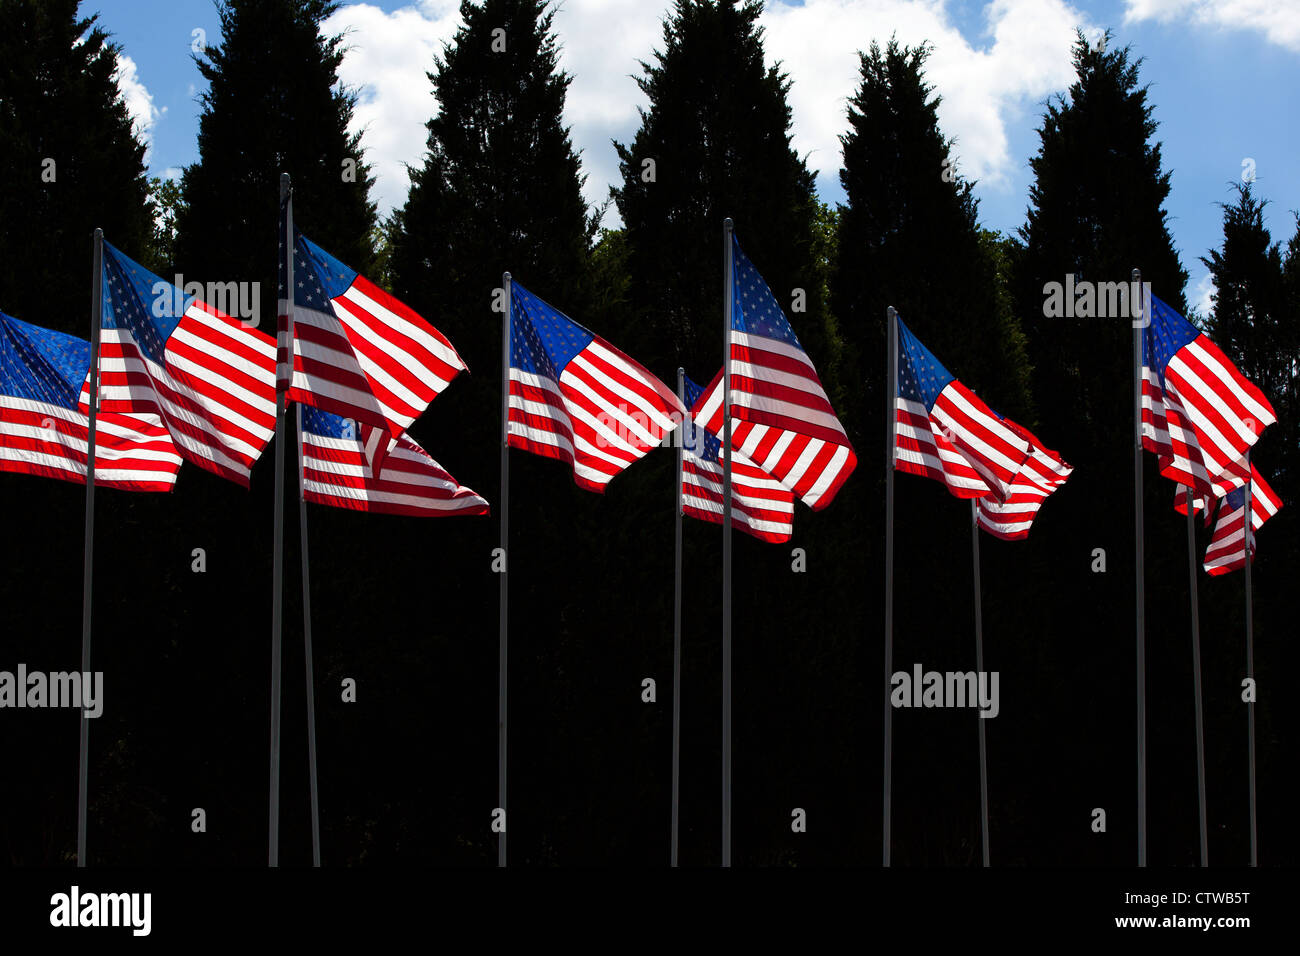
1022 56
1278 21
1201 300
388 55
139 101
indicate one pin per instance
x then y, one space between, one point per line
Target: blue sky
1222 80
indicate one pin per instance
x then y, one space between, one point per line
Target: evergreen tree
715 142
910 238
274 104
69 159
1096 212
1249 320
500 188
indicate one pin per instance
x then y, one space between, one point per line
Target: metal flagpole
505 564
677 621
306 638
88 567
1140 575
891 427
1196 678
728 295
979 671
284 373
1248 528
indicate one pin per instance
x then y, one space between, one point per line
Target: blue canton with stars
1235 501
543 340
327 425
755 310
699 441
1164 336
921 377
137 301
40 364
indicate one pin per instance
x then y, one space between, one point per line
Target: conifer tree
716 142
910 238
500 188
274 104
69 159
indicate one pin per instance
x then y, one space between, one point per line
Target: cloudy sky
1223 76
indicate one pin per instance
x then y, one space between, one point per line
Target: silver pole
283 377
306 637
88 567
677 623
1196 679
505 563
891 426
727 297
979 671
1249 530
1140 582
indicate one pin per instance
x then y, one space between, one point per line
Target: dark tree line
407 608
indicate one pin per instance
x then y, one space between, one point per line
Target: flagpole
284 375
1140 577
1196 677
88 567
306 637
979 671
505 588
727 300
677 621
891 429
1248 528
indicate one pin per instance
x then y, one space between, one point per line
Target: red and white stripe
1042 473
1227 551
783 420
604 413
371 358
960 442
760 505
337 472
215 392
132 452
1204 419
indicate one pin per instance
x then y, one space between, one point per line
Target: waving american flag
208 378
760 505
575 397
1200 415
782 418
336 472
1227 548
943 431
44 432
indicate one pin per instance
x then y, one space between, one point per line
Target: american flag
1227 551
1042 473
943 431
208 378
575 397
359 352
1199 414
44 432
336 472
760 505
782 418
